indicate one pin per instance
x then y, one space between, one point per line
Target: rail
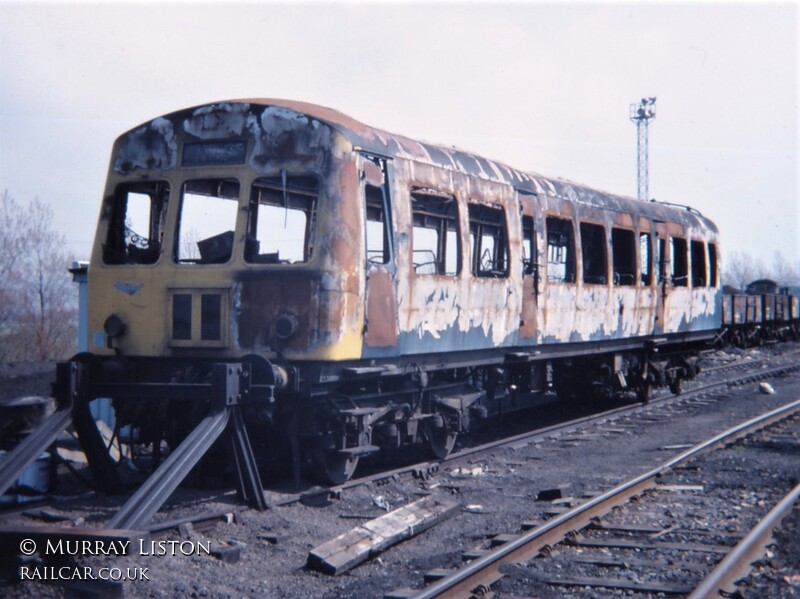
486 570
721 580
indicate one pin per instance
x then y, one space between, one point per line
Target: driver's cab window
207 221
138 221
282 219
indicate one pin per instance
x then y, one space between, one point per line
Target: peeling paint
328 295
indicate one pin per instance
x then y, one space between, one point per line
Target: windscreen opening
282 219
206 222
138 219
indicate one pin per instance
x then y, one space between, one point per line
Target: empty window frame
560 250
698 262
282 219
488 241
623 250
138 219
663 268
593 252
712 262
206 221
680 267
528 246
646 258
378 227
435 239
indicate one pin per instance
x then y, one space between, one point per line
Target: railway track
573 538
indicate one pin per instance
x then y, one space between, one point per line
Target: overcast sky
543 87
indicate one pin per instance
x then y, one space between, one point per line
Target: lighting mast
641 114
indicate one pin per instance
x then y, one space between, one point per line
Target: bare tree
782 270
740 269
38 310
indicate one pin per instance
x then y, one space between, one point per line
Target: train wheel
333 468
439 437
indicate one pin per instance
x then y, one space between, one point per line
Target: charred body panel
458 310
263 149
385 291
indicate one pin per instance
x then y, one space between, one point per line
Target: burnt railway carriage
372 290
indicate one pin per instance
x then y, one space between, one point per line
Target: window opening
560 250
623 249
282 219
138 220
206 221
593 251
488 241
662 257
680 271
435 238
698 253
378 243
646 258
528 246
712 260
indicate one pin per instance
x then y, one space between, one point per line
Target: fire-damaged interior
333 291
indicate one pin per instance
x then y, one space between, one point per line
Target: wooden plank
370 538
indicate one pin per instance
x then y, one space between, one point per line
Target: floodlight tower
641 114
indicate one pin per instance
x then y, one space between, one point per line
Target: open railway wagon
763 313
282 275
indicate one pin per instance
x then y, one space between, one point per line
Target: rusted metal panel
768 303
327 303
264 297
381 322
528 323
753 309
